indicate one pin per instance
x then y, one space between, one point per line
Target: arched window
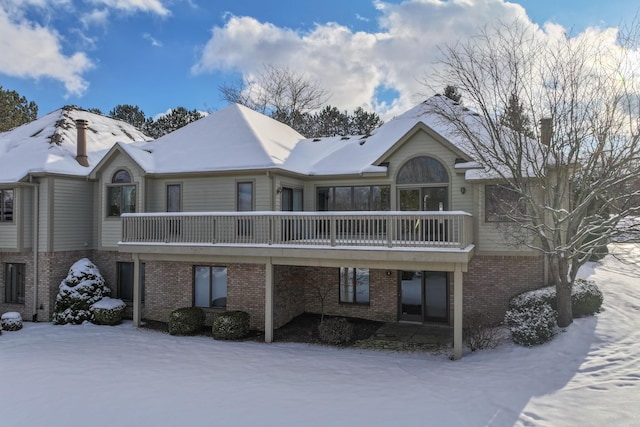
121 194
121 177
422 170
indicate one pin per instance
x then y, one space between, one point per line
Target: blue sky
160 54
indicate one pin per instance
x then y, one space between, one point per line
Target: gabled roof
234 138
48 144
361 154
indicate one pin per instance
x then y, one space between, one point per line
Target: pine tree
515 117
15 110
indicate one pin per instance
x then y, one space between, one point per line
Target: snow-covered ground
91 375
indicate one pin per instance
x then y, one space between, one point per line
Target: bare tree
574 189
278 92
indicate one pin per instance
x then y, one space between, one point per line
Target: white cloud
353 64
153 6
33 51
154 42
362 18
95 17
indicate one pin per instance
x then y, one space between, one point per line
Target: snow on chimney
81 127
545 130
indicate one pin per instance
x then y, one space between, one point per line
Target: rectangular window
125 280
354 285
174 197
245 196
291 200
14 283
6 205
121 199
501 204
209 286
357 198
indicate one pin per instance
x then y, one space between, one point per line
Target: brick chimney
546 128
81 156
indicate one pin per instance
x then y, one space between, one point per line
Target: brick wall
27 309
288 293
245 291
383 295
168 285
493 280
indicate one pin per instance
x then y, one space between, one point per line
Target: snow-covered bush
336 330
186 320
108 311
11 321
83 287
586 298
230 325
531 324
479 333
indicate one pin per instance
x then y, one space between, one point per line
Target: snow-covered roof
359 154
234 138
48 144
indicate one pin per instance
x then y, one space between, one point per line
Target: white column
457 312
268 301
137 292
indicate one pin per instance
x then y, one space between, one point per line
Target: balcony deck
375 236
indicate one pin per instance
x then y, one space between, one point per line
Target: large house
237 211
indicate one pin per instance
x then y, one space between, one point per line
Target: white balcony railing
332 229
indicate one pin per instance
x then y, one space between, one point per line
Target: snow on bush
83 287
531 325
532 316
11 321
230 325
108 311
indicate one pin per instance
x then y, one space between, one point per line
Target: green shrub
108 311
186 320
335 330
531 325
230 325
586 298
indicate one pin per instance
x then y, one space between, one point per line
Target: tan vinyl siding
73 214
209 194
44 213
26 216
8 236
494 237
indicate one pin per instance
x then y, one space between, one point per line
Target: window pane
202 283
129 199
6 205
113 198
322 203
14 283
121 177
380 200
286 199
342 200
173 198
297 200
245 196
362 285
361 198
422 170
125 281
346 284
219 291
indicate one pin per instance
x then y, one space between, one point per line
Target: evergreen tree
363 123
175 119
15 110
131 114
514 117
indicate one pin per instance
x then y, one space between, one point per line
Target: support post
137 292
268 301
457 312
